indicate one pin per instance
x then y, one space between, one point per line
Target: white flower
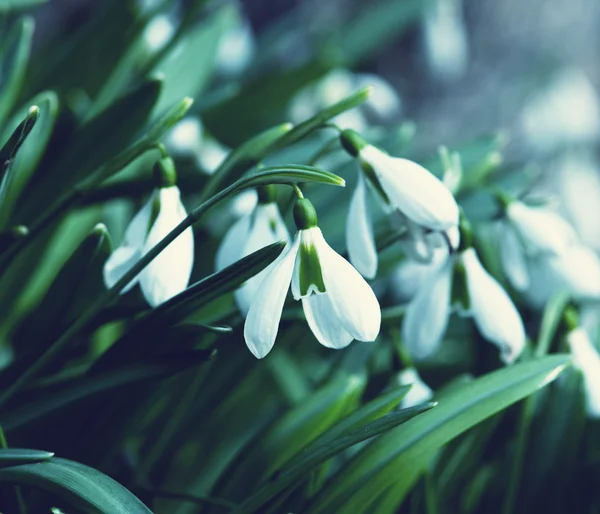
528 232
492 310
576 270
420 204
445 40
236 48
159 31
383 105
187 138
419 392
338 304
579 186
587 360
565 112
248 234
169 273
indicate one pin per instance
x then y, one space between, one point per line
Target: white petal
445 40
169 273
420 195
586 358
542 229
493 311
384 101
262 322
324 322
232 246
130 251
211 155
409 276
265 227
119 263
359 232
426 317
513 258
578 271
352 298
419 392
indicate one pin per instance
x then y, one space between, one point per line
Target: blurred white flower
587 360
383 105
236 48
338 304
419 392
169 273
159 31
527 232
578 182
565 112
187 138
496 317
575 270
248 234
420 203
445 40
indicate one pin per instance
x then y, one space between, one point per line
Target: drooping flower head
419 391
420 203
338 304
586 359
461 282
257 229
169 273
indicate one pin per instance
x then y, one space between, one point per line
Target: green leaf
49 398
14 52
318 120
398 457
148 333
77 284
187 67
9 150
24 163
16 456
259 104
8 5
550 322
293 431
349 431
375 26
82 487
244 157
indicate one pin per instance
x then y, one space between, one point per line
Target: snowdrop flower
587 360
578 181
419 391
338 304
255 230
236 48
158 32
460 281
383 105
576 270
169 273
529 231
420 202
187 138
565 112
445 40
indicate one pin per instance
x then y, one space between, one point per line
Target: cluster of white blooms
542 254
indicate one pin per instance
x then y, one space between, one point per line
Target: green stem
272 175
